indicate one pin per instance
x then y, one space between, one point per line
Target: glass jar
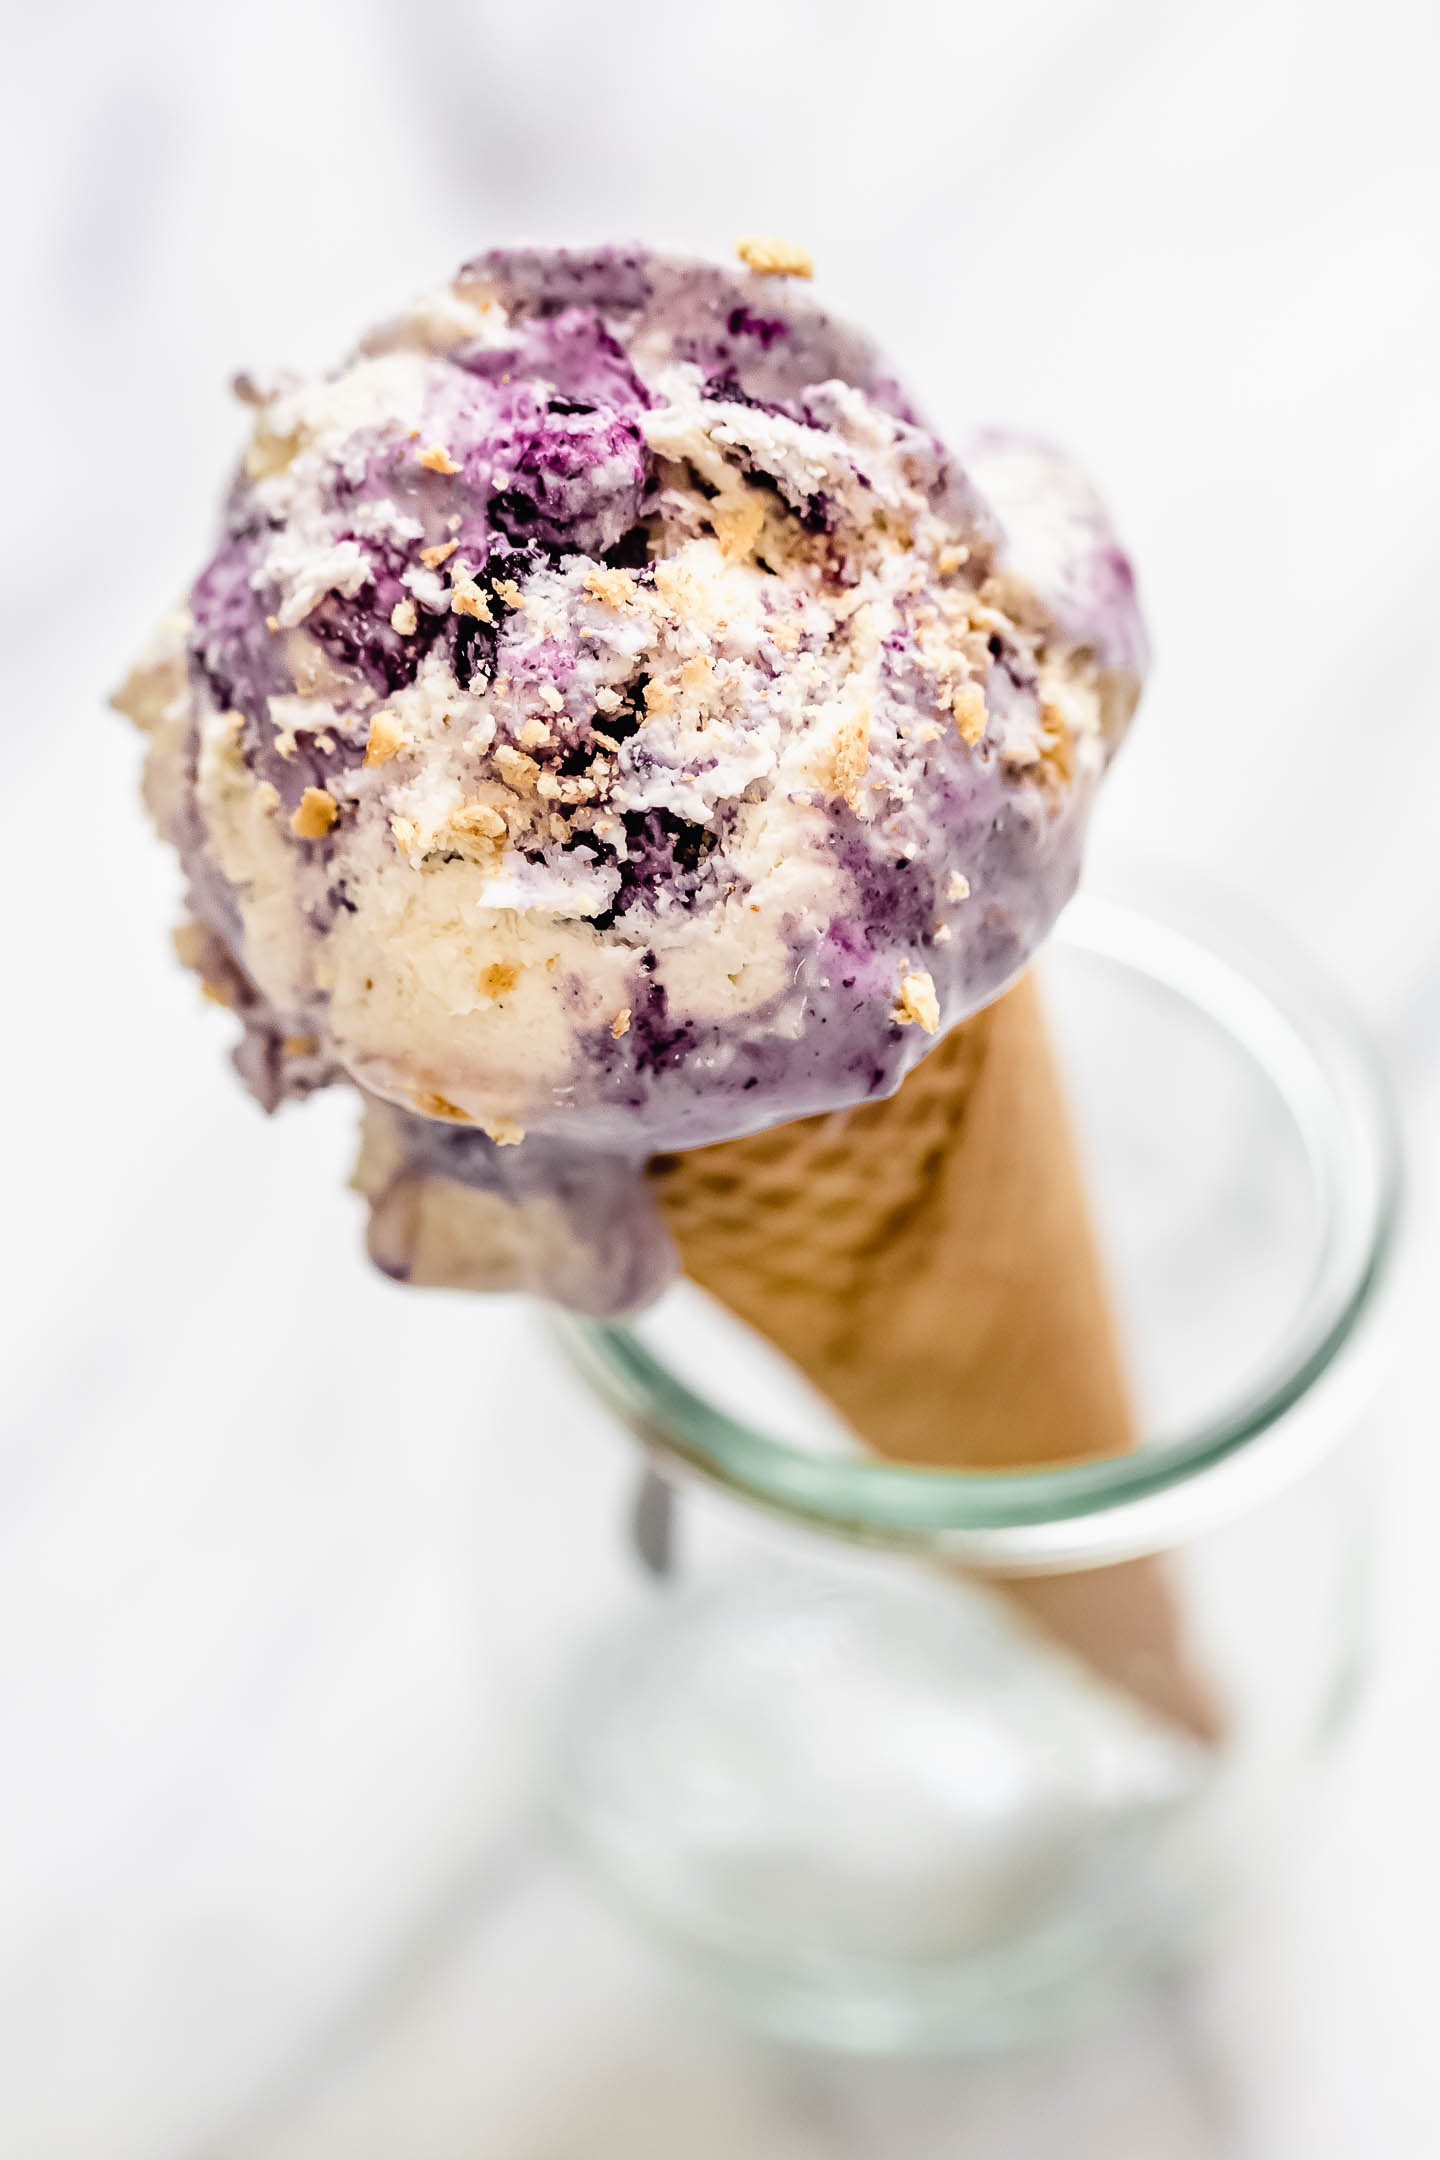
915 1758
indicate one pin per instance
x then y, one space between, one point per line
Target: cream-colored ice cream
611 722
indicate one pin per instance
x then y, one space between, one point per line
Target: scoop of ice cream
612 722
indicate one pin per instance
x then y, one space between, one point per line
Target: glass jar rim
1296 1029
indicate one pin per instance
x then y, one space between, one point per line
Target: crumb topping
519 769
467 598
616 588
385 738
851 757
971 716
776 258
917 1003
479 820
315 815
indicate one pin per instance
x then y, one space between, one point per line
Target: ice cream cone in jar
617 737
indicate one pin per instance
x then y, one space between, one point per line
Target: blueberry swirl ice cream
611 722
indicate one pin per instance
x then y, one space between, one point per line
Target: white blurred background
286 1556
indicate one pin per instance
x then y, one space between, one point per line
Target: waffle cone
928 1263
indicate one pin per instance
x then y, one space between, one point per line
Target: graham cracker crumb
738 526
957 886
480 821
404 618
608 700
216 993
697 669
507 590
503 1131
968 706
500 976
317 813
659 697
433 557
438 459
951 559
620 1025
785 633
776 258
548 788
436 1106
518 769
615 587
407 834
533 735
272 623
384 739
918 1002
850 757
1057 753
550 696
466 598
298 1046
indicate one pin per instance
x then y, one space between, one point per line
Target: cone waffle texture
927 1261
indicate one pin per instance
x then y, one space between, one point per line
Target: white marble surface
288 1558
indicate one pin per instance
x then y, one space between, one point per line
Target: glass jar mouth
1337 1103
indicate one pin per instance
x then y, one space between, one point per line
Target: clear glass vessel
916 1758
